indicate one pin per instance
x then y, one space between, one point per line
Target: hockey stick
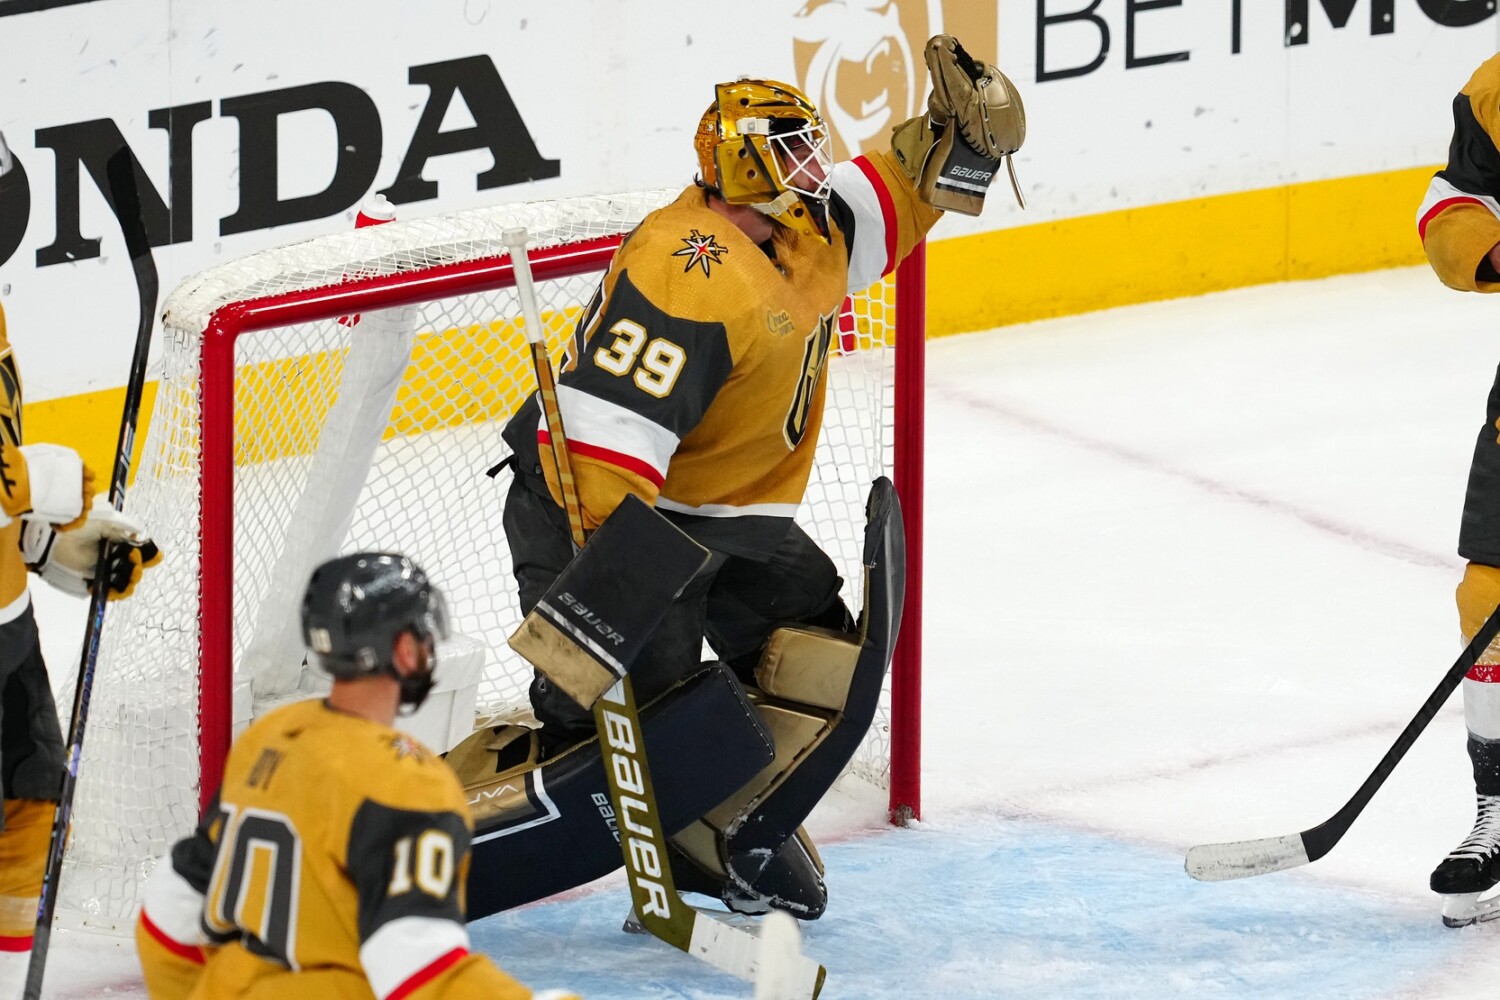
126 196
1244 858
642 840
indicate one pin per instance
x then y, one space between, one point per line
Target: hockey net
348 393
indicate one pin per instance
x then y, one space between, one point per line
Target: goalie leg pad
819 690
783 809
791 881
539 830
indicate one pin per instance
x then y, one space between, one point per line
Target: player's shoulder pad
1483 95
689 261
1485 83
363 759
412 777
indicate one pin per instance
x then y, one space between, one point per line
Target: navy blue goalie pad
542 828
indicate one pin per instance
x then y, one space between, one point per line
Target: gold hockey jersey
1459 219
15 487
696 375
332 864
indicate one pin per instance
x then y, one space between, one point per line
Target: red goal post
274 415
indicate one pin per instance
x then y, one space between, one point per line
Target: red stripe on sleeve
887 210
1440 206
15 943
188 951
629 463
428 973
1484 673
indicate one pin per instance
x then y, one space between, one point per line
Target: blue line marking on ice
1015 910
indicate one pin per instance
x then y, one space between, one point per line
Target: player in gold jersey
1459 223
696 379
50 525
331 863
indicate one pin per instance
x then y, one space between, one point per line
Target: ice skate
1467 877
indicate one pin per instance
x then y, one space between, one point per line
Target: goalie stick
643 843
125 196
780 950
1244 858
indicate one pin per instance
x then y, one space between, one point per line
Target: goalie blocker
737 767
588 628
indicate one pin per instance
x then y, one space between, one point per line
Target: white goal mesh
350 433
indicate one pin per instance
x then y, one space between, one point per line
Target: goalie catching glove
974 120
67 558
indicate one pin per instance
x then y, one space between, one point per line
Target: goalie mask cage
348 393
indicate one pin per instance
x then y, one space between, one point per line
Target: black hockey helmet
357 605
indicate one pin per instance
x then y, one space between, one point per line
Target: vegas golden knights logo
860 61
814 360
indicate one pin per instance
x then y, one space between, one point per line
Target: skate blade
1462 909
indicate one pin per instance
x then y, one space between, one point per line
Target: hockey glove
44 482
974 120
67 558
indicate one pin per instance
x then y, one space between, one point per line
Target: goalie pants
734 603
31 744
31 769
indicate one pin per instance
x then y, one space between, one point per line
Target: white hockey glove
67 558
49 483
974 120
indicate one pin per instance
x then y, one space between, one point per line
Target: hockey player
49 523
1459 223
331 863
696 374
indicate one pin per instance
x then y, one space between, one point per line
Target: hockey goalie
693 401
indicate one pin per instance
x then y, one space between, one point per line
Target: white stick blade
780 953
744 956
1245 858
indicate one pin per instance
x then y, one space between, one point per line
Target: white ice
1189 571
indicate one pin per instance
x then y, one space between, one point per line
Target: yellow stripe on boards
89 422
1299 231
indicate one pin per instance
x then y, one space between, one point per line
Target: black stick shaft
125 194
1319 840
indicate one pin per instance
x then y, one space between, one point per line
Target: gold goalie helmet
763 144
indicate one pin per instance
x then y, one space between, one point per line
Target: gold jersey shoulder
687 238
320 765
12 569
1483 91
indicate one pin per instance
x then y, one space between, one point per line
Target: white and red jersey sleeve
882 219
1459 218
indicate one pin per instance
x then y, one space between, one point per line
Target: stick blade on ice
782 971
1245 858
